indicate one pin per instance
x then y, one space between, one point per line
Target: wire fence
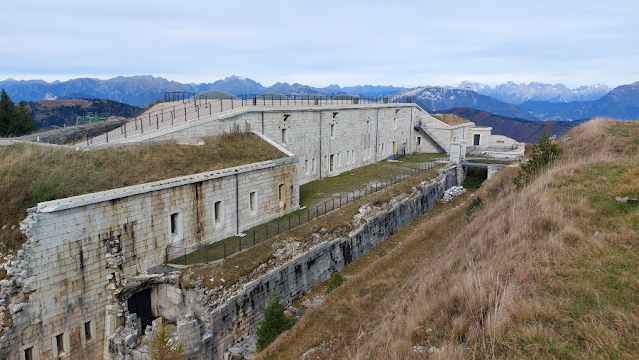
205 253
179 109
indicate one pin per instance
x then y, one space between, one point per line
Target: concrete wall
81 251
484 135
208 331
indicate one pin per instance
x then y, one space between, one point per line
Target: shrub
475 205
274 322
43 191
336 280
163 347
544 154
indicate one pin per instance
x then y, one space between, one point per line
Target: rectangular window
325 162
283 136
332 130
59 340
313 166
253 203
419 140
28 353
368 127
175 227
331 164
352 156
394 147
395 123
87 331
306 166
476 138
281 194
217 213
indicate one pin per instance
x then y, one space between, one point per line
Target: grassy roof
31 173
450 119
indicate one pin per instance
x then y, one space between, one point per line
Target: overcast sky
401 43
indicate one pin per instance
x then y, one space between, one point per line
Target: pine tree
7 113
274 323
163 347
23 123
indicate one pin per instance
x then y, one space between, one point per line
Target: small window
253 203
176 226
352 156
281 194
284 137
28 353
59 340
476 138
331 162
306 167
395 123
419 140
217 213
325 162
332 130
87 331
368 127
313 166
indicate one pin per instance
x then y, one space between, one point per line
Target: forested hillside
47 113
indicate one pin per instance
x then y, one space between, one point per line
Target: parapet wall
82 251
207 332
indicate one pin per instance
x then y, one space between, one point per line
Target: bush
163 347
336 280
274 322
475 205
544 154
43 191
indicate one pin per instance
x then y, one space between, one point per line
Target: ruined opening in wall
253 203
88 333
217 213
140 304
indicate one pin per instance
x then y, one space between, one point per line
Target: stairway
430 138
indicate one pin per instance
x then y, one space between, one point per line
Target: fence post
166 254
253 236
224 243
240 243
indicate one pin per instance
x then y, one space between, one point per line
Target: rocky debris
245 349
452 193
313 301
626 200
418 349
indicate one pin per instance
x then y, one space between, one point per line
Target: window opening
331 165
252 203
59 340
28 353
332 130
419 140
283 136
217 213
476 139
87 331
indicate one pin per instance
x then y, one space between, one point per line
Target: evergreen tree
274 323
7 113
23 123
543 155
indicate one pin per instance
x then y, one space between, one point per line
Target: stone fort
88 272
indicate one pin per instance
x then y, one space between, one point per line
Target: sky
400 43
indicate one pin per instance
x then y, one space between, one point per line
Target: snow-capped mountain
443 98
514 93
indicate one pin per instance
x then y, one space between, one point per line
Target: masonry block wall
353 136
223 326
80 251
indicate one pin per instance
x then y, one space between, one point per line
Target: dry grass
30 173
450 119
525 278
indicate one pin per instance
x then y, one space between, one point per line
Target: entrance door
476 140
140 304
394 147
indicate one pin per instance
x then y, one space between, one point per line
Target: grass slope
31 173
524 277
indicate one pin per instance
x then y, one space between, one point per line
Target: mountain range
519 129
438 98
514 93
140 90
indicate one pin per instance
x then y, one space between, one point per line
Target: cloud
404 43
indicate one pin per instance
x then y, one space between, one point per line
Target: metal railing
188 108
474 148
208 252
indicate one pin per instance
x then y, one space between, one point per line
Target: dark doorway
476 140
140 304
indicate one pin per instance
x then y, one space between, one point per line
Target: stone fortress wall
353 135
80 250
207 331
84 255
